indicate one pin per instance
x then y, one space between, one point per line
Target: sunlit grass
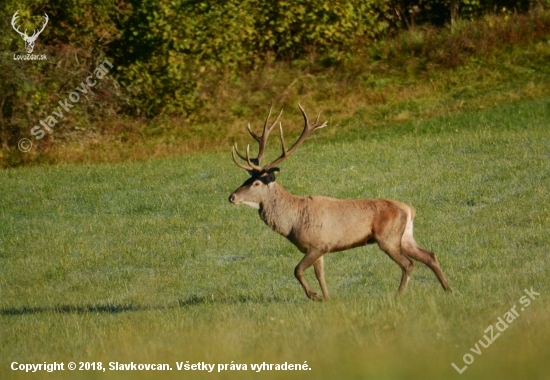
148 262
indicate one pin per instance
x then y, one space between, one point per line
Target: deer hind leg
428 258
309 259
412 249
389 241
320 273
394 251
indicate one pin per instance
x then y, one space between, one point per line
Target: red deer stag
319 225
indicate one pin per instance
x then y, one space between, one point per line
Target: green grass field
149 263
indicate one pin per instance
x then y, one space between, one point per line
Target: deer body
317 225
322 223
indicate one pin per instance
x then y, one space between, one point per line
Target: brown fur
319 225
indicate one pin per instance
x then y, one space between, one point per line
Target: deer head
252 191
29 40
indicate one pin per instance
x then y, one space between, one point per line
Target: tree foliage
170 55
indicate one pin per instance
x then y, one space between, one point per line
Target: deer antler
16 28
29 40
43 26
308 130
254 163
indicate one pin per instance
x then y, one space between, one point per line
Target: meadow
147 262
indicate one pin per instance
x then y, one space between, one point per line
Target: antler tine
303 114
252 165
46 23
282 137
255 136
16 28
313 126
36 32
265 134
308 129
237 162
318 116
239 153
262 140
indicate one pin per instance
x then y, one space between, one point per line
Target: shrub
172 56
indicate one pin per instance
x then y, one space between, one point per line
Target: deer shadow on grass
108 308
74 309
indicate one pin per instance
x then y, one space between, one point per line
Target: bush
74 42
172 56
171 51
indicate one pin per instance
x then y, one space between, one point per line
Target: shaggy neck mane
279 210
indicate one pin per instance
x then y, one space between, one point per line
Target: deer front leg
320 273
309 259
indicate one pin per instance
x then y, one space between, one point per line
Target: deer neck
280 209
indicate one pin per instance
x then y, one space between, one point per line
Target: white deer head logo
29 40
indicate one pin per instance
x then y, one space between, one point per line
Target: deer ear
270 174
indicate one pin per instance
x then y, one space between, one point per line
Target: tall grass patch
148 262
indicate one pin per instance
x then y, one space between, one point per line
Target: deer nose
232 198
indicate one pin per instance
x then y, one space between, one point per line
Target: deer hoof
314 297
